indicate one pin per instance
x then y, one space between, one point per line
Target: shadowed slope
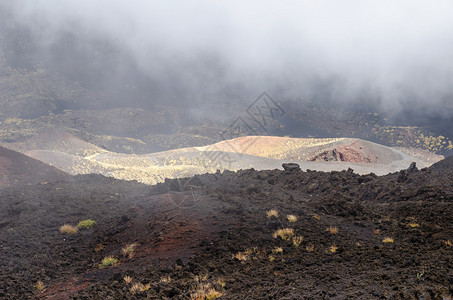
19 169
443 165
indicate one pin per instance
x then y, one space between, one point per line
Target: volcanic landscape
256 232
191 156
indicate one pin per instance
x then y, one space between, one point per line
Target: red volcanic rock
348 153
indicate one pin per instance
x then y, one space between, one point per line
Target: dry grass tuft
285 233
166 279
39 286
333 248
388 240
310 248
297 240
332 229
68 229
201 278
241 256
127 279
128 250
99 247
278 250
139 288
272 213
221 282
250 251
205 292
292 218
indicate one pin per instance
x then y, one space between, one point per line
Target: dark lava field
250 234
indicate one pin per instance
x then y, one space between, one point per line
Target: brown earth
187 232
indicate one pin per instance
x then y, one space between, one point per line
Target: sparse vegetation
292 218
333 248
388 240
165 279
170 232
68 229
108 261
221 282
310 248
86 224
205 292
297 240
413 137
285 233
241 256
278 250
272 213
332 229
127 279
139 288
252 252
98 247
39 286
201 278
128 250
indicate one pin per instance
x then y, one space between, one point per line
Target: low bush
108 261
68 229
86 224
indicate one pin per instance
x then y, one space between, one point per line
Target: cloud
396 54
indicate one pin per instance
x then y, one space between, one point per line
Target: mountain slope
75 156
17 169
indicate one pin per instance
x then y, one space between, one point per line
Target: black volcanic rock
290 167
228 218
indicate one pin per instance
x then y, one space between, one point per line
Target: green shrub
108 261
86 224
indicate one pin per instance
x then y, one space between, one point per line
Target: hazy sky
400 53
